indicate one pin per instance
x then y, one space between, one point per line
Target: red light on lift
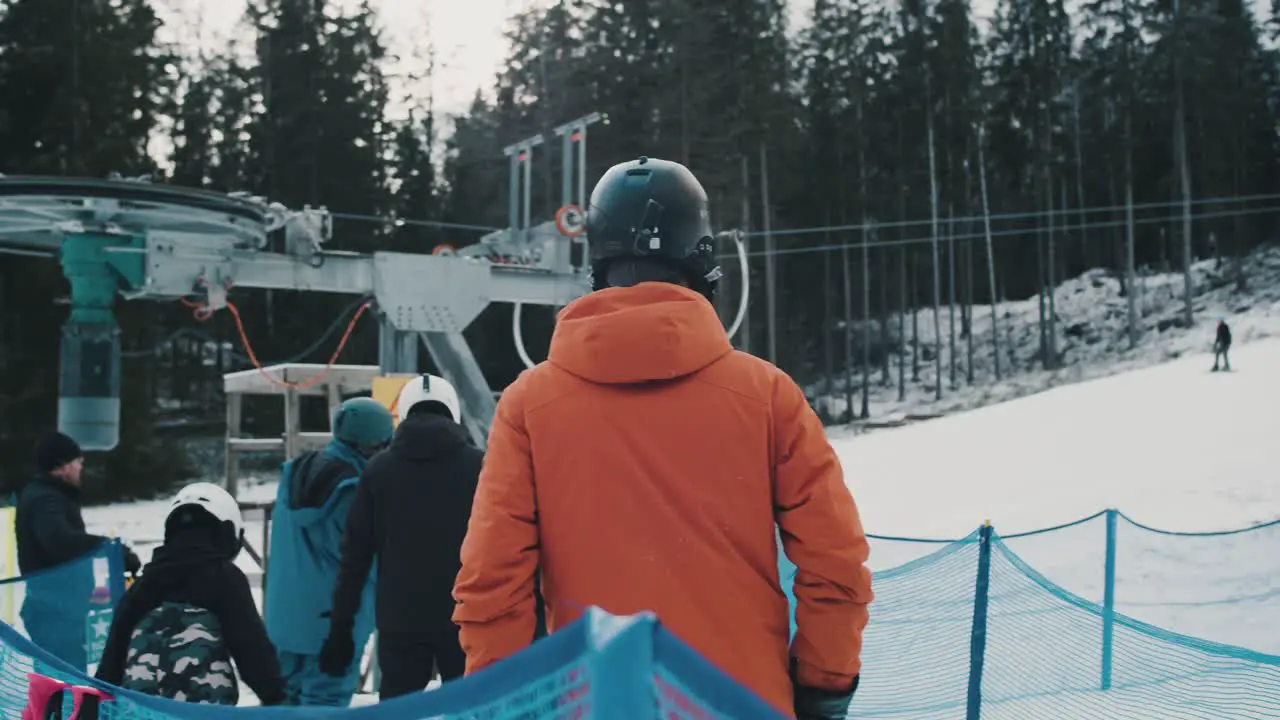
576 137
521 157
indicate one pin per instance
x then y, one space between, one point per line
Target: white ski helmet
216 501
428 388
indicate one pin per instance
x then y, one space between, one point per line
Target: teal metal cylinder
89 370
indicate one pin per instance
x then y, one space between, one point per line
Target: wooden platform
347 379
339 382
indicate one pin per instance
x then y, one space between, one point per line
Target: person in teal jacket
308 521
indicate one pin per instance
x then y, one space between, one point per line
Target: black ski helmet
655 209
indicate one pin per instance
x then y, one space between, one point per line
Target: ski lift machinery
144 241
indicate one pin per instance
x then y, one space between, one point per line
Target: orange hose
203 312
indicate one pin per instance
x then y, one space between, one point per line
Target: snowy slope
1092 338
1173 446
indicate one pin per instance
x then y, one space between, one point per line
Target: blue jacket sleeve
358 549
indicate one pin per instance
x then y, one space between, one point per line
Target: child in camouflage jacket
179 627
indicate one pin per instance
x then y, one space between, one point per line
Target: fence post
621 665
1109 599
115 571
978 637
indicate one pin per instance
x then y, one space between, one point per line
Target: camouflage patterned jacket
178 652
178 629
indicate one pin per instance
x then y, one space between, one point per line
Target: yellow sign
8 566
386 390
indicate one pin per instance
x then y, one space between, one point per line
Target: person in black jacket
410 512
50 531
1221 345
179 628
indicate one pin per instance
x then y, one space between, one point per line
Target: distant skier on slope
177 630
645 464
410 514
308 521
1221 345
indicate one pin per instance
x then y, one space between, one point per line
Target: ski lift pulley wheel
571 221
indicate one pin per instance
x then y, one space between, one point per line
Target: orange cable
202 313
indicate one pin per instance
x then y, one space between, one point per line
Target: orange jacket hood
647 332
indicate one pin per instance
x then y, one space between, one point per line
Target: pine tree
416 195
193 154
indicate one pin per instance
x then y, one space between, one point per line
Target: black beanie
55 451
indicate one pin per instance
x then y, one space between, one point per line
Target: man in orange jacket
645 466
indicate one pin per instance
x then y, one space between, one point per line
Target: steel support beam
397 349
404 283
567 133
521 165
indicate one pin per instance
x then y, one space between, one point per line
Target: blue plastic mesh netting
1044 650
1220 586
67 609
1045 658
1012 627
603 666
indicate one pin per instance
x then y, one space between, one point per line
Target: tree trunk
845 262
1130 264
1040 298
991 260
937 271
902 322
770 258
1051 289
866 319
882 258
1087 257
911 303
866 264
848 286
828 320
967 314
1184 169
915 319
951 286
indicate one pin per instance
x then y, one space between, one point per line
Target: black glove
819 704
338 651
132 564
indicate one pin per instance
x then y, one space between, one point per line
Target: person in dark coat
179 628
410 513
50 531
1221 345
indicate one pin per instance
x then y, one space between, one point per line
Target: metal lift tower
145 241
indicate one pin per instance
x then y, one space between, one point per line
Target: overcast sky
467 34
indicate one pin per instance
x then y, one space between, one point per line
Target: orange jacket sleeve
822 534
494 588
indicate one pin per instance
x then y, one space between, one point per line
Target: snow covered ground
1173 446
1092 338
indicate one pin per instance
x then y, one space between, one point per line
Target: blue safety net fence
1221 586
66 610
603 666
968 628
1066 622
